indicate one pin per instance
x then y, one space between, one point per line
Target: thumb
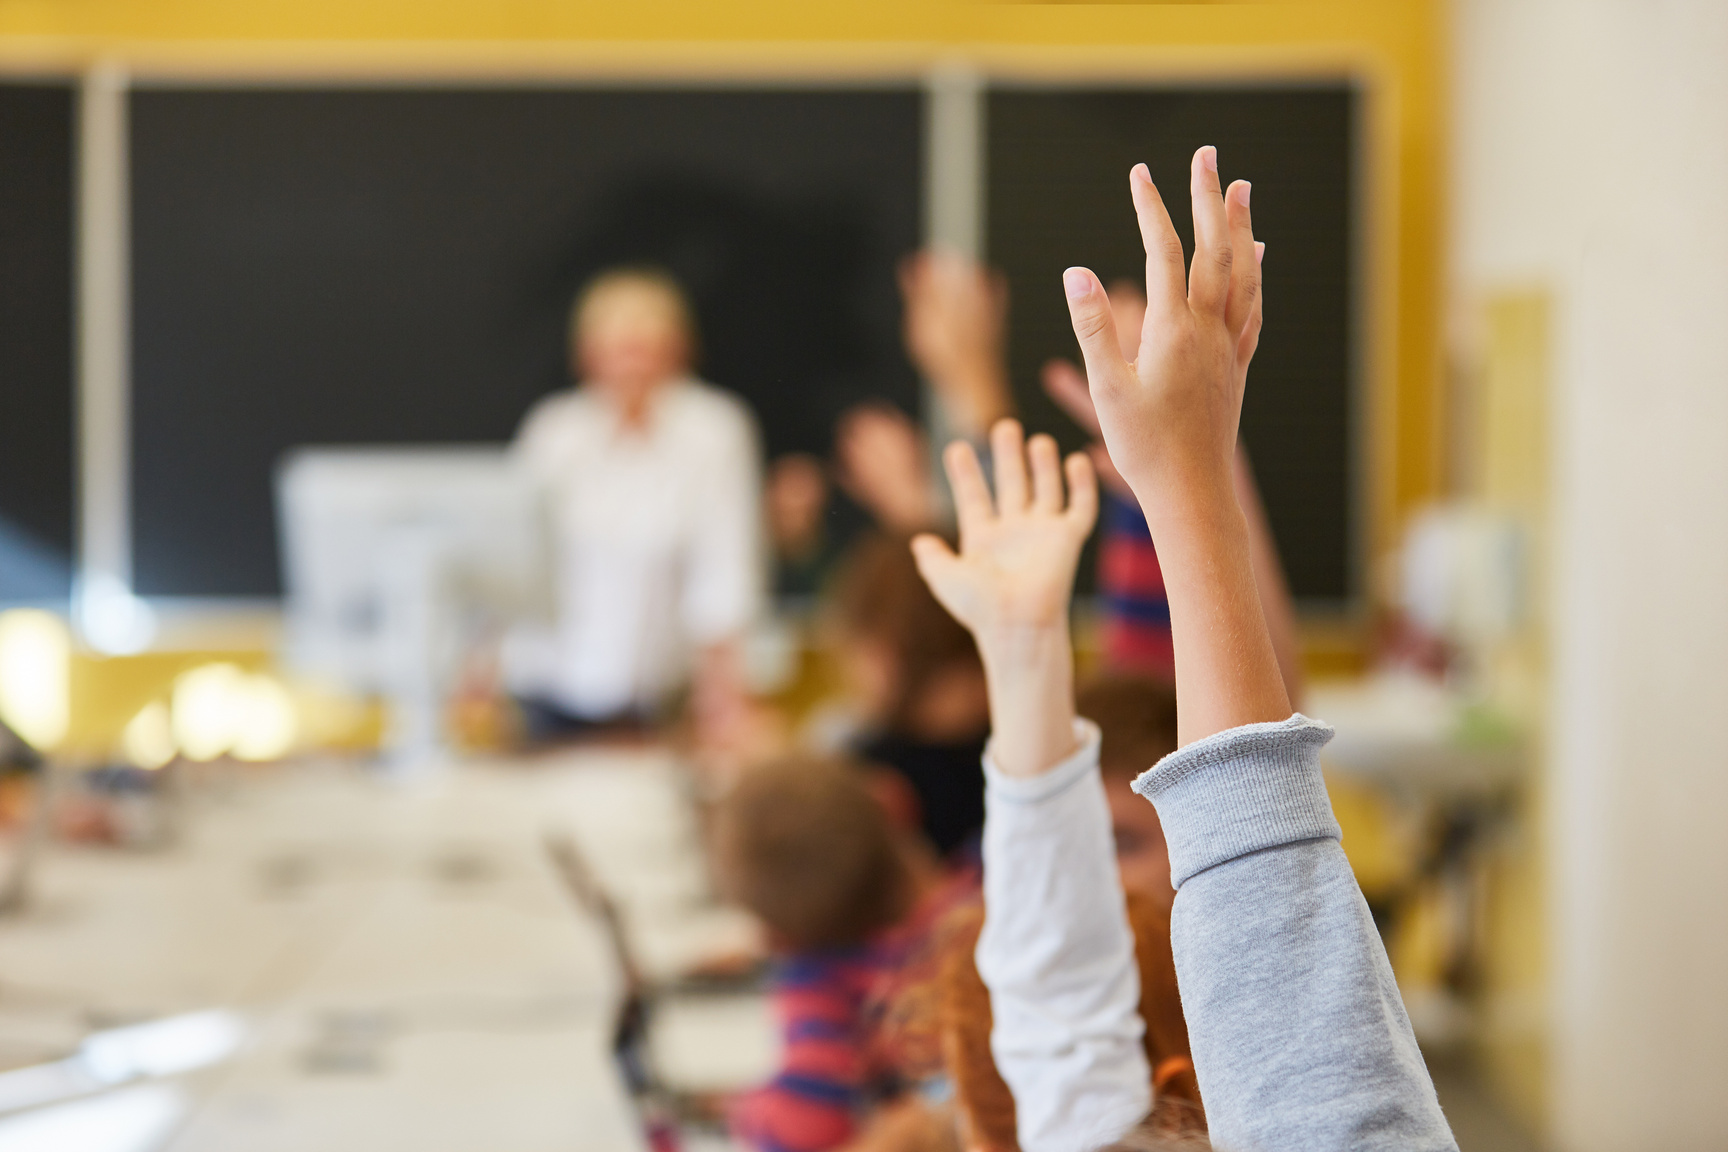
1095 328
941 569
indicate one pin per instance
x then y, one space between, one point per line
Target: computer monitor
397 560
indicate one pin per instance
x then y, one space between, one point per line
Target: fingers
1066 385
1209 280
1008 449
972 507
1046 474
1082 492
1095 329
1166 279
1249 339
1245 263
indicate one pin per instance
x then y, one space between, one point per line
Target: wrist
1029 670
1025 648
1182 500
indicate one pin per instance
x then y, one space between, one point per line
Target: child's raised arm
1170 419
1010 585
1056 951
1300 1040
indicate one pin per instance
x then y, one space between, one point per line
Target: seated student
915 673
850 905
1299 1038
653 479
1136 719
796 501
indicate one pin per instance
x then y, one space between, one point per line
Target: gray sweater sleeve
1300 1040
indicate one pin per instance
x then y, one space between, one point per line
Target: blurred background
371 698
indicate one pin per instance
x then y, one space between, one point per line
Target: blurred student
805 552
912 670
1299 1038
655 493
1136 719
914 674
955 333
850 904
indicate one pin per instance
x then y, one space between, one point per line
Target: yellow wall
1394 46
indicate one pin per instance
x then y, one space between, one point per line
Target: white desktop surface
416 975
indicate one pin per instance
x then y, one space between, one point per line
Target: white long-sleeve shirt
658 543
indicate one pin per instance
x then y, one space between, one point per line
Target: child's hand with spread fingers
1018 550
1011 581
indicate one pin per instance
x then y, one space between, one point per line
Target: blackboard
1058 166
388 266
380 265
36 308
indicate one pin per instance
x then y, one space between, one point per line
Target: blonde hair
643 278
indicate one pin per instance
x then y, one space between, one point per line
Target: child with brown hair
1299 1039
917 674
851 904
1136 718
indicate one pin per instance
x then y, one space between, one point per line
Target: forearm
976 396
1227 671
1029 672
1299 1038
1269 581
1057 955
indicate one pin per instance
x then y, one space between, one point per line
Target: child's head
794 499
1137 717
913 664
804 844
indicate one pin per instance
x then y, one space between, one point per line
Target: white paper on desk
133 1120
113 1057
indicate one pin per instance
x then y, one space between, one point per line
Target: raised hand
1169 417
955 310
881 463
1010 585
1018 550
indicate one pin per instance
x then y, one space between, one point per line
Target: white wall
1591 154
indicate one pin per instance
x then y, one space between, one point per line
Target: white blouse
658 544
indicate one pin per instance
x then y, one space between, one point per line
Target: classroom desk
414 973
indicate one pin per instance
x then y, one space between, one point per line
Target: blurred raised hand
1018 549
955 313
882 462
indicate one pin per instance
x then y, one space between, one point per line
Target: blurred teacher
653 479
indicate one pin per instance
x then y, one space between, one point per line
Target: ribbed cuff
1032 789
1240 791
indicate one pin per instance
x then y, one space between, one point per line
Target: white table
415 973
